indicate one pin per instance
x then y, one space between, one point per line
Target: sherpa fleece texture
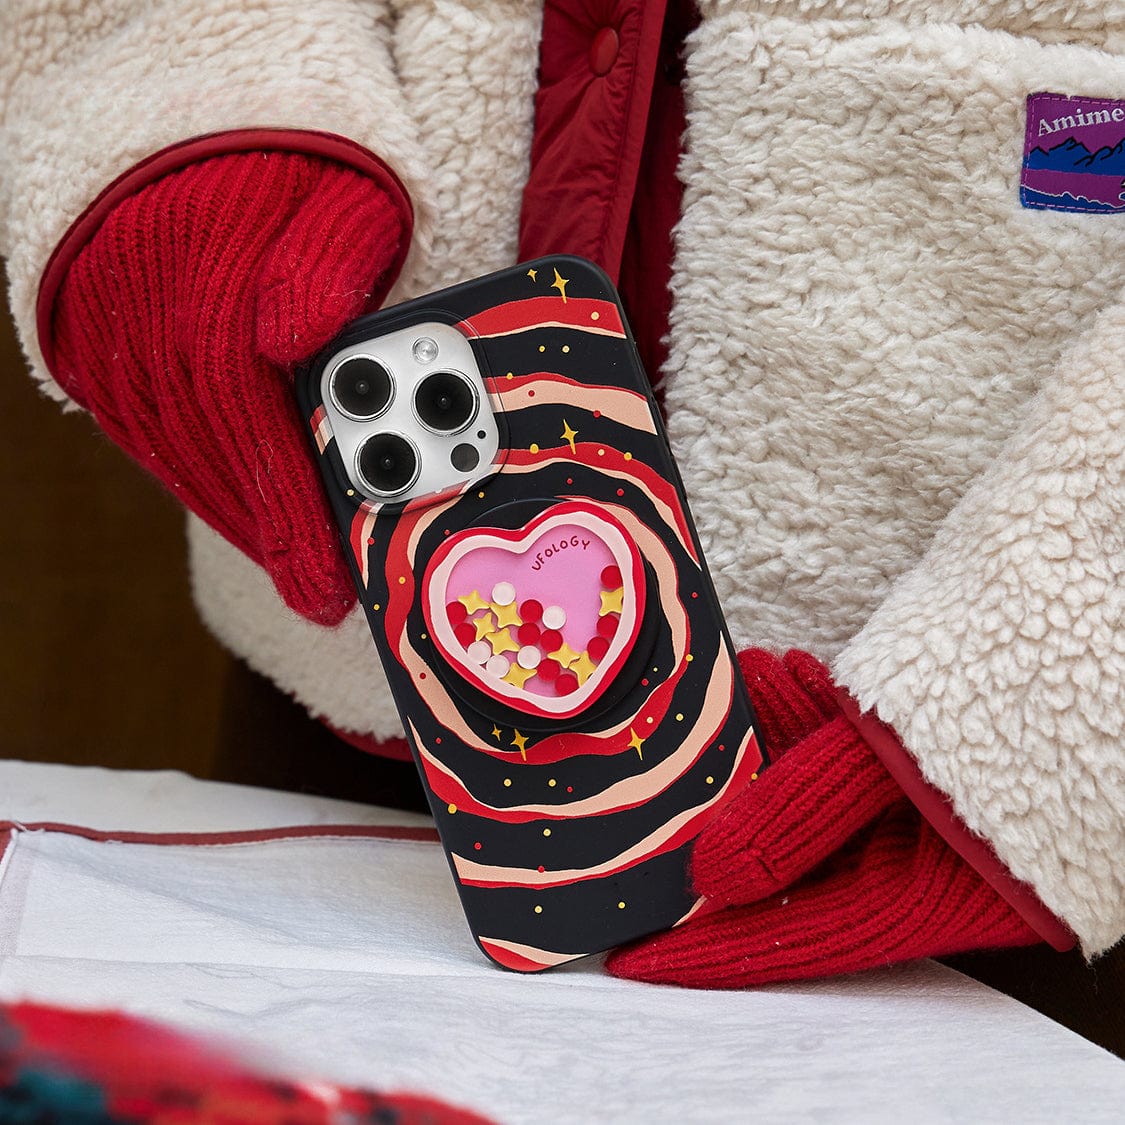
896 397
894 393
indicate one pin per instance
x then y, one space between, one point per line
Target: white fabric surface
348 958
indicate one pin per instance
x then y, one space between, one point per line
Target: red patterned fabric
821 866
177 322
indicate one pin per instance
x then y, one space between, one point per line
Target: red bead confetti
528 633
611 577
548 669
531 610
597 647
456 612
465 633
607 625
551 640
566 683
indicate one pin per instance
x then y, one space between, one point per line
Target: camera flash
425 350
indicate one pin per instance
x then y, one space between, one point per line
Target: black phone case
568 831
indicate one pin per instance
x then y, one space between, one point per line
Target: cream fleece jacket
895 393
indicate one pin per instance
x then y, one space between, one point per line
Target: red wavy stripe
585 313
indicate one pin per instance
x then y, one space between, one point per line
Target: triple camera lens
362 387
388 463
445 402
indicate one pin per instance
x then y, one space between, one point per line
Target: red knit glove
822 865
177 322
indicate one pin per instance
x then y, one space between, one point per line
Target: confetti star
532 274
520 742
568 435
583 667
560 283
472 602
484 625
566 656
612 601
501 642
518 676
636 742
506 614
496 733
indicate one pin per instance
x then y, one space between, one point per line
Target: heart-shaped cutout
541 617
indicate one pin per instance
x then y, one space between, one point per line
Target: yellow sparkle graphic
520 743
635 743
568 435
484 625
501 642
506 614
612 601
496 733
472 602
533 274
565 655
517 675
583 667
560 283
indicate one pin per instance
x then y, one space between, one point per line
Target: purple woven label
1074 154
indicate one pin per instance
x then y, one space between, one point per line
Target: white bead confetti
498 666
479 651
528 657
503 593
554 617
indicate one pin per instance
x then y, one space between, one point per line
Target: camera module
362 387
387 464
445 402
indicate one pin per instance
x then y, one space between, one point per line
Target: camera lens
362 387
445 402
387 463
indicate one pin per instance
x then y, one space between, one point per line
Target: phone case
567 807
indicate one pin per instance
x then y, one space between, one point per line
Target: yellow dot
621 906
452 808
480 495
595 315
351 491
424 637
710 780
689 658
507 782
401 581
566 347
509 375
539 910
628 457
376 606
534 447
753 777
601 452
649 719
656 669
552 783
546 832
542 347
679 718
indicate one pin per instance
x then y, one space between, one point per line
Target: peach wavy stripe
624 407
469 871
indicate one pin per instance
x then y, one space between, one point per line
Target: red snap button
603 52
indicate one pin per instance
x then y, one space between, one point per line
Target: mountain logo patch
1074 154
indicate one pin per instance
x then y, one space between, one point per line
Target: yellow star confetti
566 656
520 742
635 743
506 614
532 274
472 602
484 625
560 283
501 641
583 667
612 601
517 675
568 435
496 733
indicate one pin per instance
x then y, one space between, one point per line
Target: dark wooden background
104 662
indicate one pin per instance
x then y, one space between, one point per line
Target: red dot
548 669
620 492
477 845
421 675
551 640
566 683
694 594
438 741
597 647
721 746
530 394
611 576
597 413
607 625
371 542
528 633
465 633
569 480
644 683
570 788
456 613
542 868
531 610
446 532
